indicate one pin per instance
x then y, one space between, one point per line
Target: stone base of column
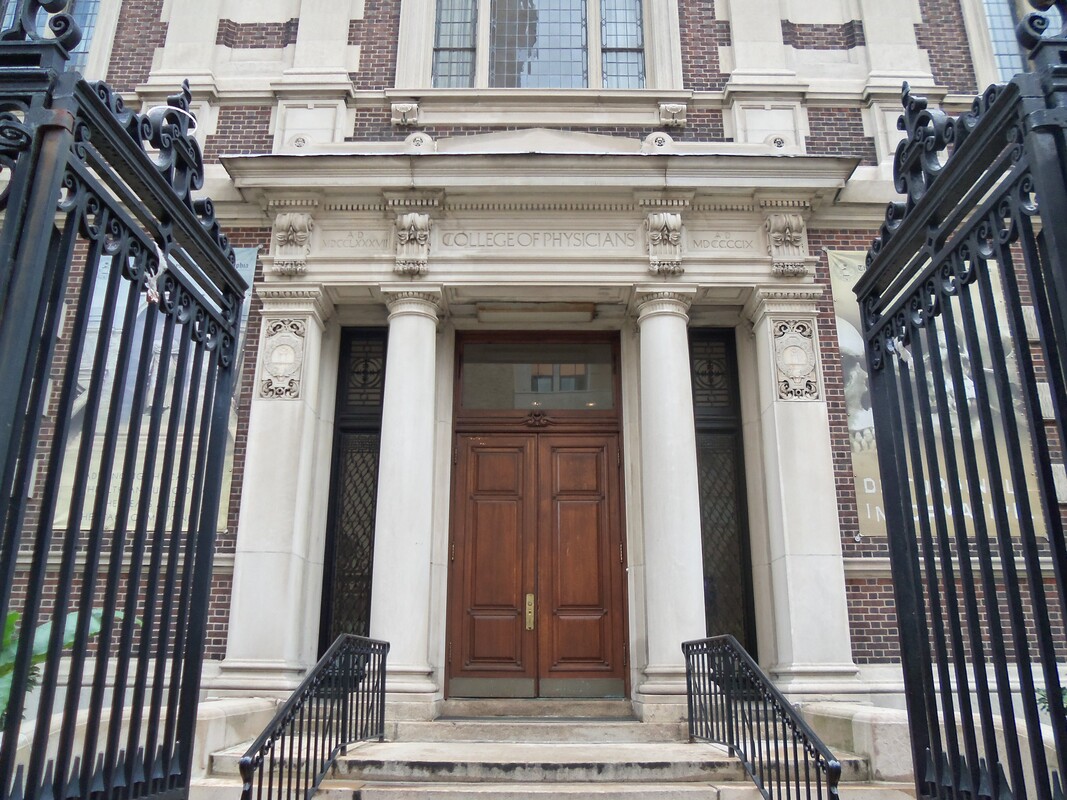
662 695
814 682
411 694
256 678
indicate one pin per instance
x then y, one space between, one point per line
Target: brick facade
943 36
140 31
839 132
804 36
257 35
241 130
376 35
702 34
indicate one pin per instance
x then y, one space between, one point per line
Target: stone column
674 594
813 654
273 630
400 599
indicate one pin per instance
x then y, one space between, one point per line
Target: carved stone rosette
794 358
292 241
786 245
412 243
664 243
283 358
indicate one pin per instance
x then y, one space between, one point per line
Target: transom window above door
539 44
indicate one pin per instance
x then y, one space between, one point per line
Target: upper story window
1003 16
539 44
84 12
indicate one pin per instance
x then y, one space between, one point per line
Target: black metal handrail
733 702
340 701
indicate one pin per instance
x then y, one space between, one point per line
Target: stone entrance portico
643 244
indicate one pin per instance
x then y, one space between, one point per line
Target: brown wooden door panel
492 557
536 514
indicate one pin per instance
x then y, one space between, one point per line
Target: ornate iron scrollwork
64 30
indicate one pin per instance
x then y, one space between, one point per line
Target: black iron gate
964 307
119 305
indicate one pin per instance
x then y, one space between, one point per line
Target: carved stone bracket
787 245
292 241
796 364
405 113
672 115
412 243
283 358
664 243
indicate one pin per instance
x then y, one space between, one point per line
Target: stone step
537 730
560 708
655 762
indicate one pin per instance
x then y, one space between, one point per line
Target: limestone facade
762 138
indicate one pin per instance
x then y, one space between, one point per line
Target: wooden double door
537 566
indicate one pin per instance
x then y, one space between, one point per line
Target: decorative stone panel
283 358
795 361
412 243
664 243
804 36
256 35
292 240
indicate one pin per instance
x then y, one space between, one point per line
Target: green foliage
41 636
1042 698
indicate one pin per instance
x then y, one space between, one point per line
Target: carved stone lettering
795 362
283 358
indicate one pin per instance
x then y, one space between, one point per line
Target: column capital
791 301
651 301
296 300
422 301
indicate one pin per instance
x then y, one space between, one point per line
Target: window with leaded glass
1003 16
539 44
84 13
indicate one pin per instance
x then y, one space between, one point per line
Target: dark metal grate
723 524
350 533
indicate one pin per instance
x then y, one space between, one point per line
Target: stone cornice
287 298
778 300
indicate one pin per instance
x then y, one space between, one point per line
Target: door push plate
529 612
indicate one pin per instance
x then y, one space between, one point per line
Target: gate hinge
455 456
452 557
1046 118
625 654
449 652
618 458
622 560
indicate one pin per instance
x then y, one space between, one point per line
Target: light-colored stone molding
783 301
413 200
787 245
672 115
424 301
795 359
295 300
412 243
664 243
405 113
664 200
283 358
650 301
292 243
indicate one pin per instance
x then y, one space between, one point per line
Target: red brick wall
804 36
944 37
257 35
702 34
240 130
140 31
839 132
376 34
872 620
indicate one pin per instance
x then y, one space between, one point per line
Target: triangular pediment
539 140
